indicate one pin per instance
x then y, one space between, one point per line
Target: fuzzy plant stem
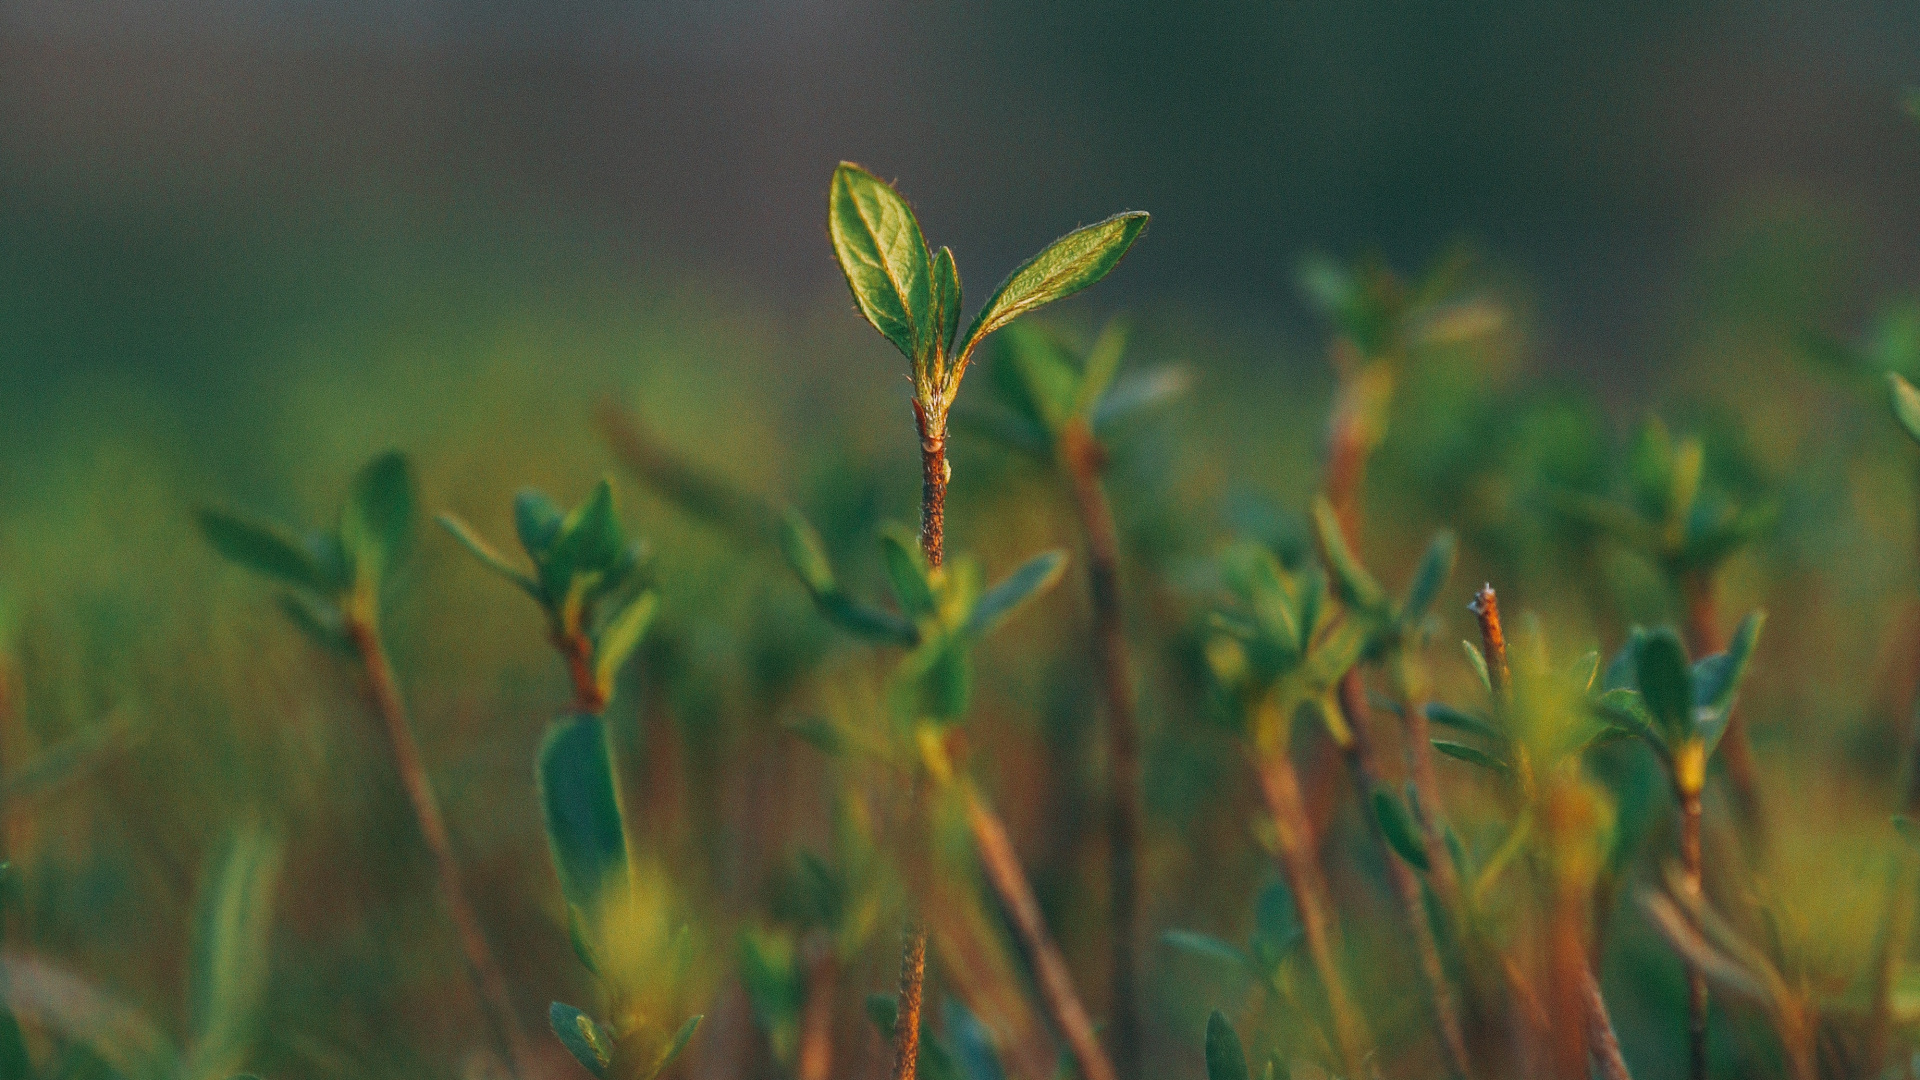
1002 865
488 979
1280 787
1703 639
1085 459
1366 778
913 953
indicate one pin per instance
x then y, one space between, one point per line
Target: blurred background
246 245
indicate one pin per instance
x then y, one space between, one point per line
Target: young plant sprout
590 580
335 583
1682 711
1688 529
912 296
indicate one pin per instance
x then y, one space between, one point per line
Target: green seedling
1277 652
621 915
335 581
227 977
588 578
1227 1057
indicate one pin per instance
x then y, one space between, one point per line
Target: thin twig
1009 880
1690 863
488 980
1084 459
1280 786
1602 1044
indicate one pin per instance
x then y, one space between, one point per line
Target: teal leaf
1907 828
1032 578
321 620
1461 720
590 542
974 1054
1208 946
1048 380
265 547
884 257
800 545
907 570
583 1038
1906 404
1436 566
1479 665
620 637
1398 827
13 1047
1226 1058
378 515
227 964
884 1011
488 556
1666 685
1716 680
1471 755
1139 392
1276 921
585 833
537 521
1069 264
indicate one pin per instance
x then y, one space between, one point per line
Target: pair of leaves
328 571
594 1047
587 574
1673 701
1361 592
912 296
1041 388
1227 1058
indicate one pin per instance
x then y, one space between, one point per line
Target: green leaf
1905 404
377 517
585 833
678 1043
537 521
975 1056
1461 720
1435 567
583 1038
937 679
1276 922
1047 376
1401 833
1717 678
1666 685
884 1011
1471 755
1208 946
1907 828
1226 1059
946 299
620 637
14 1061
1103 363
884 257
265 547
321 620
1066 266
1033 577
907 570
1137 392
590 542
1351 581
800 544
227 965
1479 664
801 547
488 557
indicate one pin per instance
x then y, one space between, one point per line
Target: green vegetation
1151 730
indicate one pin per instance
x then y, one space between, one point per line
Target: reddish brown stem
1690 866
933 483
816 1015
906 1025
1085 459
1602 1045
1009 881
1413 903
1493 639
1736 751
488 980
1280 786
578 651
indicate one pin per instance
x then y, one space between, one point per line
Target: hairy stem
1009 881
1703 640
1366 777
578 651
1280 786
1084 459
488 980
